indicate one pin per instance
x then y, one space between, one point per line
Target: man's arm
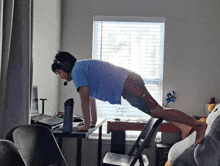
93 110
84 97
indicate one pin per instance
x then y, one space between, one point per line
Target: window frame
134 19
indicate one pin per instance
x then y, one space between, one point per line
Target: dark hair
64 61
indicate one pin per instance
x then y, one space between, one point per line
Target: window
134 43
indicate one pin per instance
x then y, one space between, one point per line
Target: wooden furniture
79 136
135 156
136 124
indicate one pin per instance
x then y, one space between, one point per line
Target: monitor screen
34 100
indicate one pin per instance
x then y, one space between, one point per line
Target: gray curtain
16 66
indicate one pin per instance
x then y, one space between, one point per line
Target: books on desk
50 121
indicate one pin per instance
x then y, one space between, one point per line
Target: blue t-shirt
105 81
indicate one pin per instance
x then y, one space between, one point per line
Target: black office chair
135 156
9 154
37 145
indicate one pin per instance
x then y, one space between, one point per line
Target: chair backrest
9 154
145 138
37 145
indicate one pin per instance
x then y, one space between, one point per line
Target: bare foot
200 132
185 130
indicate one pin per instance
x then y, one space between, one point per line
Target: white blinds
136 44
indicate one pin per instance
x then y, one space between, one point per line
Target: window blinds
134 43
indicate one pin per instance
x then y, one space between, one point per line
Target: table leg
100 146
118 141
79 151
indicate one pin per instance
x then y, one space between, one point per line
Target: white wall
46 43
191 52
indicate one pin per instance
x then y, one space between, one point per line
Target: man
104 81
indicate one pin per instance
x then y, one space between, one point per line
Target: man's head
64 61
63 65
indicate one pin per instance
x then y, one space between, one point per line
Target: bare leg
134 84
173 115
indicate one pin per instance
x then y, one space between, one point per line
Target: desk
79 135
117 127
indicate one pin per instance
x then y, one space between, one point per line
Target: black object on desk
68 115
79 135
43 105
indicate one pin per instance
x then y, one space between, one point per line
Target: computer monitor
34 100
